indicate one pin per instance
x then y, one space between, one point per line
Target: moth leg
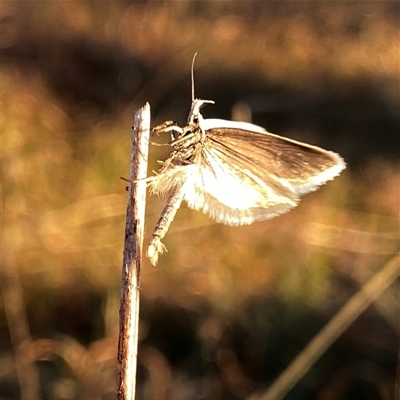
168 126
156 247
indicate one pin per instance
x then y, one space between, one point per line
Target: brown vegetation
227 309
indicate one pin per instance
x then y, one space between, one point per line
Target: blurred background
227 309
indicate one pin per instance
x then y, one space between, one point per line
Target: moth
236 172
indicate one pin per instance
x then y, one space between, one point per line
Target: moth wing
303 166
242 176
232 195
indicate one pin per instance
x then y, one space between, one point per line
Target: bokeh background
227 309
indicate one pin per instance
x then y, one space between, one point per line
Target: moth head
194 116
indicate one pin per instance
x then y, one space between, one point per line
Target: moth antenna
192 76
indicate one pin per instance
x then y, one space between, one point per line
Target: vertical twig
132 258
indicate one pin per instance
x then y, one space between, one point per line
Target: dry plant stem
346 316
132 258
173 203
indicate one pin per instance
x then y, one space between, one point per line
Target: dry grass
228 293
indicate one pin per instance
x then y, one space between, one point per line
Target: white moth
236 172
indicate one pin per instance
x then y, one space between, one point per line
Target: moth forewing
215 123
266 153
